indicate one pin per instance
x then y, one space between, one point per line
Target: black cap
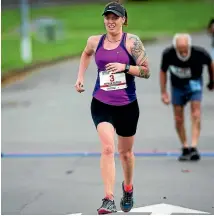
115 8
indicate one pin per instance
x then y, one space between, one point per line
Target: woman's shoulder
133 38
94 38
130 35
93 41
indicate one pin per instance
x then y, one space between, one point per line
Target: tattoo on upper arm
136 48
140 56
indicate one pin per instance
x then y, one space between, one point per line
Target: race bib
110 81
181 73
195 85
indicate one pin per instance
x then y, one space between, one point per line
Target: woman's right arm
84 61
86 57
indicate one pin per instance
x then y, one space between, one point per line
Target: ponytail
126 18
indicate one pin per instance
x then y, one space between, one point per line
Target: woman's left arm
138 52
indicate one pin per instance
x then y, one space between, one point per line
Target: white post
26 49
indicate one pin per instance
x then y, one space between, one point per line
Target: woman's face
113 23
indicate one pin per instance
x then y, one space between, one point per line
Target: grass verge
148 20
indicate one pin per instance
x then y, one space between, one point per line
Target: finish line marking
160 209
95 154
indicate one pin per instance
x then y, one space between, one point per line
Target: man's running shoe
194 155
185 155
108 206
127 201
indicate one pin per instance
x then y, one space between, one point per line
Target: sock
128 188
110 197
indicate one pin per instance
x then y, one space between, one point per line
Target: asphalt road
45 123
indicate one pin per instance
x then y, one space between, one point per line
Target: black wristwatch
127 68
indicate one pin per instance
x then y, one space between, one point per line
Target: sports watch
127 68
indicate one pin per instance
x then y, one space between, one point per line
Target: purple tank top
120 54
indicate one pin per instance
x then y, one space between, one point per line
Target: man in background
185 65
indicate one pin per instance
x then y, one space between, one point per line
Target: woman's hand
115 67
79 85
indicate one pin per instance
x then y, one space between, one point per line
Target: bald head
182 44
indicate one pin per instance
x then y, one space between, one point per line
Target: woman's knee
106 134
108 150
125 147
126 155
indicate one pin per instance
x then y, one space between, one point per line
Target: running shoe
185 155
127 201
108 206
194 155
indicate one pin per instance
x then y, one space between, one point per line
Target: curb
18 73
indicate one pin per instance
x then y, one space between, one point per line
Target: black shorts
123 118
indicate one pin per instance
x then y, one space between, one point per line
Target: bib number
195 85
110 81
181 73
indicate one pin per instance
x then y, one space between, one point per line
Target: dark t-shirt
183 71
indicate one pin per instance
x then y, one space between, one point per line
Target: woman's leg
125 149
107 163
101 114
126 126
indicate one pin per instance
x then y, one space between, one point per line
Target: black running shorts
123 118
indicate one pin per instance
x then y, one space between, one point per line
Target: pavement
50 149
